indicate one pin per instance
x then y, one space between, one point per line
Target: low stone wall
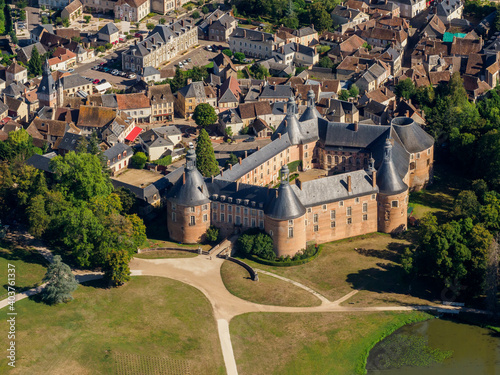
194 251
251 271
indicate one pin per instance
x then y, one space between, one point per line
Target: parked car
208 48
102 81
189 59
123 74
131 76
71 70
249 139
114 72
137 35
95 81
181 65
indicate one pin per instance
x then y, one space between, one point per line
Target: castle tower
311 113
290 124
47 91
284 218
188 205
393 194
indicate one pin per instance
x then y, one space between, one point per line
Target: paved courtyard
138 177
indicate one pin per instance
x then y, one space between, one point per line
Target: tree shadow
97 284
392 253
390 278
26 255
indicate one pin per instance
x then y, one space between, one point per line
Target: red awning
133 134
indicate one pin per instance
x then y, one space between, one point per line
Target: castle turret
393 195
290 124
311 113
188 205
285 218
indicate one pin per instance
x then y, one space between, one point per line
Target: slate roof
150 71
27 51
118 149
160 93
69 142
158 137
276 91
193 90
73 81
254 35
283 203
109 29
414 138
41 161
252 110
388 179
334 188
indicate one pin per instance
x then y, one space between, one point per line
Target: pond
437 347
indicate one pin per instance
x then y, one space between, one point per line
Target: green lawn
369 263
161 254
268 290
313 343
149 320
29 266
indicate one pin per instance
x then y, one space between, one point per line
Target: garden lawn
161 254
311 343
149 317
268 290
29 266
373 268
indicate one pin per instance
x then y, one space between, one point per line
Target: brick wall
180 227
279 231
392 212
421 167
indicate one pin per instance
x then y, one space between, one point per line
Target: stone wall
279 231
392 212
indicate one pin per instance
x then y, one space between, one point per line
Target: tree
259 71
13 37
353 91
150 26
38 218
320 17
2 17
229 132
405 89
108 46
204 115
162 21
65 22
227 52
466 205
205 10
61 283
87 19
139 160
18 146
263 246
82 145
205 156
44 20
344 95
58 21
291 21
116 269
35 64
8 19
195 15
239 57
325 62
212 234
80 176
127 198
233 159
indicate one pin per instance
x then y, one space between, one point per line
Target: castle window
205 207
237 220
341 204
214 216
290 223
254 223
261 214
290 232
332 224
305 147
315 218
365 217
428 151
222 207
306 154
229 218
406 199
271 233
316 228
245 221
214 206
229 208
245 211
192 220
356 200
261 224
324 207
174 206
394 204
174 217
428 162
418 155
332 214
349 211
192 209
349 220
309 210
365 207
205 218
222 218
373 197
329 159
238 209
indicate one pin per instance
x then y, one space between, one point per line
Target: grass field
157 319
29 266
268 290
314 343
161 254
369 263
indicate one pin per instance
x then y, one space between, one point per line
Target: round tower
188 205
284 218
393 195
311 113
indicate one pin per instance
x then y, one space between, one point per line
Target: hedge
290 263
167 160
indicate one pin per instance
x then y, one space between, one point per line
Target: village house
109 33
162 102
136 106
346 18
72 11
188 97
63 59
118 157
253 43
132 10
158 142
16 73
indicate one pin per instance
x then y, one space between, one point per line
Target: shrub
139 160
167 160
205 9
213 234
150 26
195 15
87 19
227 52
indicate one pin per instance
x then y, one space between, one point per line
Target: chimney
276 193
356 126
279 135
152 138
246 154
374 179
258 148
189 81
244 33
239 160
349 187
184 178
238 185
298 183
222 171
407 113
230 167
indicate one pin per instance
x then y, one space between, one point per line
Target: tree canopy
205 156
204 114
60 283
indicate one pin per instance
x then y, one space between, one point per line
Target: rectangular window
356 200
290 223
332 214
315 218
290 232
214 206
341 204
245 220
214 216
229 209
365 207
174 217
205 207
192 209
332 224
324 207
192 221
261 224
316 228
229 218
238 220
174 206
245 211
428 151
222 207
365 217
254 223
349 211
394 204
373 197
222 218
205 218
309 210
349 220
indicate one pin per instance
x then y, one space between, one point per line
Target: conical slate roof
284 204
311 112
47 84
290 125
388 179
190 190
414 138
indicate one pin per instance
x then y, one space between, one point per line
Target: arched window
329 158
343 159
336 159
